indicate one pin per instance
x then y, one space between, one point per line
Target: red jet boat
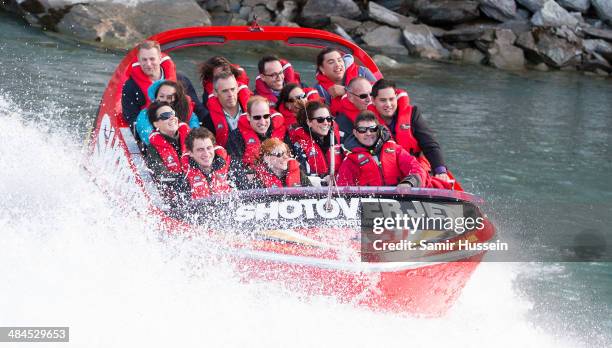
315 241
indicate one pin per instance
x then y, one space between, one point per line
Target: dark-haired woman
292 98
215 65
313 135
167 142
174 94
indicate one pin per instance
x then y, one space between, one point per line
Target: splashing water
69 257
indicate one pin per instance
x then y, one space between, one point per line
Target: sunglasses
277 154
165 115
323 119
275 75
363 130
297 97
360 96
259 117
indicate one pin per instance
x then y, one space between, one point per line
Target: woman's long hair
206 69
180 105
283 97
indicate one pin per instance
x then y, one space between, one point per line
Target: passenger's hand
336 91
443 176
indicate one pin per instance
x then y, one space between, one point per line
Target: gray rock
365 28
216 5
238 21
603 9
386 40
464 34
348 24
598 46
575 5
223 18
264 17
326 8
503 54
595 32
245 13
386 16
289 12
532 5
567 34
118 26
383 61
521 13
340 31
556 51
269 4
553 15
393 5
541 67
456 54
500 10
446 12
421 42
594 62
473 56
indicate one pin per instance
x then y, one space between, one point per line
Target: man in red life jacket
347 107
152 66
335 70
274 73
206 164
258 125
227 105
407 127
373 159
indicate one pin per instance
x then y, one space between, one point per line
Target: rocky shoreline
505 34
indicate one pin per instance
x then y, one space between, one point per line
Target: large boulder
555 51
347 24
575 5
446 12
288 13
603 9
500 10
421 42
598 46
532 5
316 13
553 15
386 40
120 26
503 54
386 16
596 32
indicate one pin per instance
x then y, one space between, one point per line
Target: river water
535 146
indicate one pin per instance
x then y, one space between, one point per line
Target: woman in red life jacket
313 136
276 168
206 164
167 141
214 66
292 98
373 159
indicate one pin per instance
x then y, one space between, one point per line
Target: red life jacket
243 79
291 76
404 135
342 105
270 180
216 182
373 174
251 139
350 73
143 81
166 151
317 160
290 116
218 116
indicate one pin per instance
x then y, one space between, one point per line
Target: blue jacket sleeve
144 128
